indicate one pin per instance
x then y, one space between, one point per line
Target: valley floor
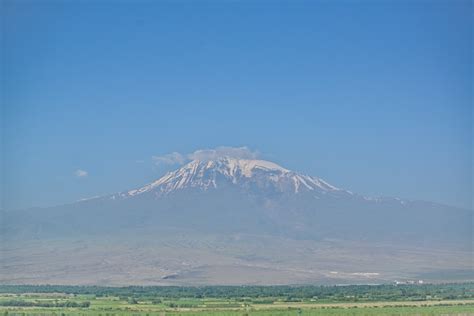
217 308
443 299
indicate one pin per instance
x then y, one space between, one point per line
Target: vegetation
24 303
446 299
290 293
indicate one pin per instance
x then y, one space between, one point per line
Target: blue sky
373 96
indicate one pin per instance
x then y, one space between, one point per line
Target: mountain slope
209 174
252 196
235 221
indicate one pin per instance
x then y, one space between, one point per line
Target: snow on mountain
250 196
246 173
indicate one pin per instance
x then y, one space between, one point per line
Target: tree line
23 303
350 292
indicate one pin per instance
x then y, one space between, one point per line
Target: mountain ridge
261 217
206 174
234 170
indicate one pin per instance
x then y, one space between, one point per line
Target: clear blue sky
374 97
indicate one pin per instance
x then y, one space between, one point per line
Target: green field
448 299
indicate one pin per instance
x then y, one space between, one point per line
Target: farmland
445 299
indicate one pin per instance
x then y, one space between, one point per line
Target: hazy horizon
174 161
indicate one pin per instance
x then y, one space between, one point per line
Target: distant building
411 282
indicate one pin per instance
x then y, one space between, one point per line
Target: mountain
248 174
225 207
252 196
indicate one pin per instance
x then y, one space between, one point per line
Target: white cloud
169 159
223 151
206 154
81 173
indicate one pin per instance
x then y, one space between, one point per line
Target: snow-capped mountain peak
245 173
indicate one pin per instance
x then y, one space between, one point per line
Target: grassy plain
42 304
